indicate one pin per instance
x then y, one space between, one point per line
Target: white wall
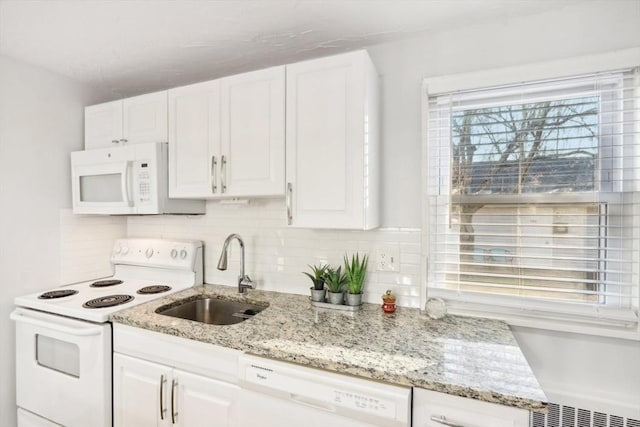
41 121
597 376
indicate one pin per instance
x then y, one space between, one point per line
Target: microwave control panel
143 181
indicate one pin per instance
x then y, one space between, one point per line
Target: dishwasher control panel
325 390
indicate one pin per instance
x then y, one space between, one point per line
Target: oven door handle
81 332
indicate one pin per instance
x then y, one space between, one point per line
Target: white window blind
534 196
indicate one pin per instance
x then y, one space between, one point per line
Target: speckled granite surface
463 356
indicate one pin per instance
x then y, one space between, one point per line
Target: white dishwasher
279 394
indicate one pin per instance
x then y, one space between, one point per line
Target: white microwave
126 180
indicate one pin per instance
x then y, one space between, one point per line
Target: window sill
620 329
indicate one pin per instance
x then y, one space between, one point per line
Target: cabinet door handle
174 413
124 141
289 201
115 141
441 419
163 380
223 174
214 165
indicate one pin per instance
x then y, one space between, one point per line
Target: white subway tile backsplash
276 255
86 242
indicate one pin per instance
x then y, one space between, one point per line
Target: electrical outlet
388 258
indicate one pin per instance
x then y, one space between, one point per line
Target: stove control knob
148 253
183 253
174 253
118 249
124 250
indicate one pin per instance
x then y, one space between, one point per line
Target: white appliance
126 180
63 337
277 394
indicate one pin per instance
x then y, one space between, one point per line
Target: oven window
101 188
58 355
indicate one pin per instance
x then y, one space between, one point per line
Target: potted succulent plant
317 290
355 271
335 280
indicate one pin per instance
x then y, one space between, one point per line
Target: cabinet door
194 140
205 402
331 142
102 125
253 131
141 393
145 118
433 409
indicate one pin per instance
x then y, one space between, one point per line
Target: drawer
433 409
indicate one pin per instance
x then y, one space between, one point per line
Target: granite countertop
462 356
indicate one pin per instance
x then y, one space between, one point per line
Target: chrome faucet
244 281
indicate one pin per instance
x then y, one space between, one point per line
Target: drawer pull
174 412
443 420
289 203
214 186
162 408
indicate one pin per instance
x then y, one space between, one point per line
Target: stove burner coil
58 294
153 289
108 301
105 283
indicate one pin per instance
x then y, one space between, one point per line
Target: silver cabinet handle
163 380
443 420
223 174
124 141
114 141
174 413
214 165
289 200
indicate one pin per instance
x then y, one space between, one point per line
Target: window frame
599 321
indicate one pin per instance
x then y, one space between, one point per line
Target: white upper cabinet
333 143
136 120
194 140
102 125
253 131
226 137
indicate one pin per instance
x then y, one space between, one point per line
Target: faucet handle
245 283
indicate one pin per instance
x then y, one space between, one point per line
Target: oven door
102 181
63 368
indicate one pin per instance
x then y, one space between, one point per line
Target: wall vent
566 416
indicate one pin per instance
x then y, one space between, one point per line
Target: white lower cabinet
433 409
165 381
151 394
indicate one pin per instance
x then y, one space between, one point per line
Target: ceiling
136 46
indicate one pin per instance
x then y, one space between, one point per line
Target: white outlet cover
388 258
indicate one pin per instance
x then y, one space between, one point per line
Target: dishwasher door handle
443 420
327 407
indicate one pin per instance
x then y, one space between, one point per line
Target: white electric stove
144 269
63 335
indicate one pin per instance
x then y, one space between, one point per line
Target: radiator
567 416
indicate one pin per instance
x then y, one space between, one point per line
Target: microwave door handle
125 183
81 332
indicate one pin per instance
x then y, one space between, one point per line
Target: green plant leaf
355 270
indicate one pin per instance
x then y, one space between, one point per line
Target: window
533 196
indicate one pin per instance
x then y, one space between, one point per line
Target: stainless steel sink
213 311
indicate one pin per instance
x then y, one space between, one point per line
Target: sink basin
212 311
